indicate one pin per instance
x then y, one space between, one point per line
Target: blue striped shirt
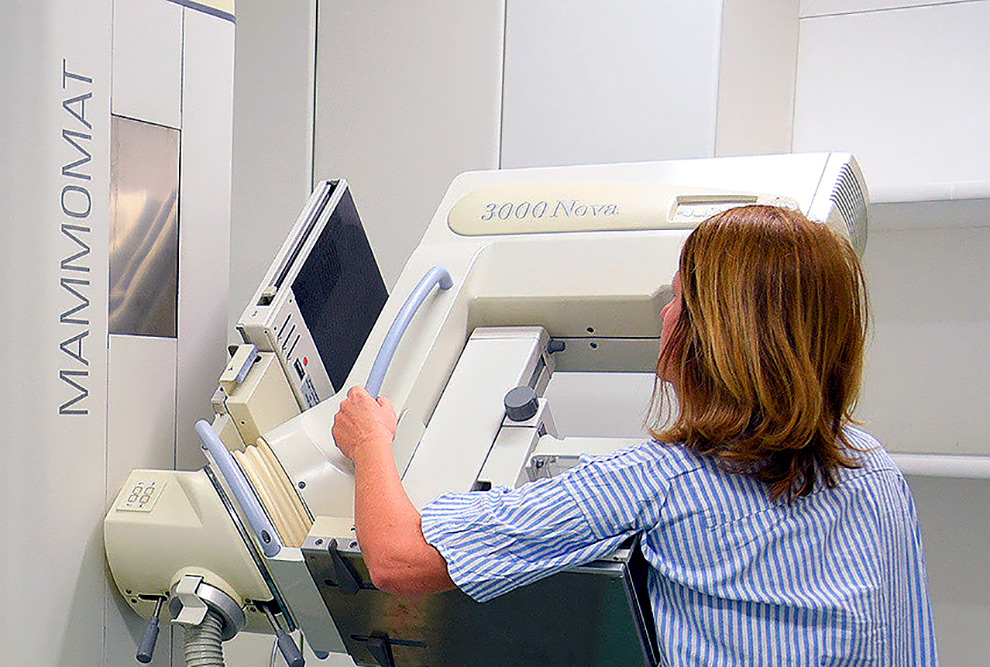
837 577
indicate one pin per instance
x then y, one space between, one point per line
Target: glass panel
144 228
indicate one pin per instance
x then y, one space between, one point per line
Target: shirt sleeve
497 540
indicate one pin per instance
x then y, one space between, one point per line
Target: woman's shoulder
661 460
669 459
866 451
666 462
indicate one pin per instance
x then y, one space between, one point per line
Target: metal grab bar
264 530
438 275
943 465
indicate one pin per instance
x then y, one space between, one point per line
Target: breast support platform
520 273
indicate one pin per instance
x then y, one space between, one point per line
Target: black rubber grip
146 649
287 647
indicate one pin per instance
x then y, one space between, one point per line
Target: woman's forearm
385 518
389 529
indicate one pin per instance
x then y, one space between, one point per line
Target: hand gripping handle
262 526
435 276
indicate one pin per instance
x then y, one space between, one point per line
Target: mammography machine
521 273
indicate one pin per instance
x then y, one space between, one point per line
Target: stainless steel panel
597 614
144 228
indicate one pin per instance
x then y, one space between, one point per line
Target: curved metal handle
262 526
435 276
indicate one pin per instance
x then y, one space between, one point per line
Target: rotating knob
521 403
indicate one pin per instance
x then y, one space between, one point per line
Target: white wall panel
273 136
140 407
757 67
52 482
956 534
140 434
147 60
204 226
938 214
591 81
408 96
928 376
906 90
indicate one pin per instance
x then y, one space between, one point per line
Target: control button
142 496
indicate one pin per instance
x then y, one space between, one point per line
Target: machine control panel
694 209
687 210
320 297
142 495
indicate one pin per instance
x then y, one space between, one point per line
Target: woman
777 532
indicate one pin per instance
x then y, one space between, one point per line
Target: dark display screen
340 291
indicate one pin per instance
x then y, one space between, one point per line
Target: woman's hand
389 527
364 425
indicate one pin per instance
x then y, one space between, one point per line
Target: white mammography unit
521 273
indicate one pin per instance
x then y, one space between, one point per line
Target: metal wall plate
144 228
594 615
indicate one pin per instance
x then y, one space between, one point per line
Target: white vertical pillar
273 136
147 61
204 228
757 68
55 83
146 85
408 96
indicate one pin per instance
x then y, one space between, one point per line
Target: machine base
594 615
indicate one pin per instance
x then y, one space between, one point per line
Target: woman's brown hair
767 355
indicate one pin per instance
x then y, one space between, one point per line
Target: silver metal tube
264 530
943 465
438 275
